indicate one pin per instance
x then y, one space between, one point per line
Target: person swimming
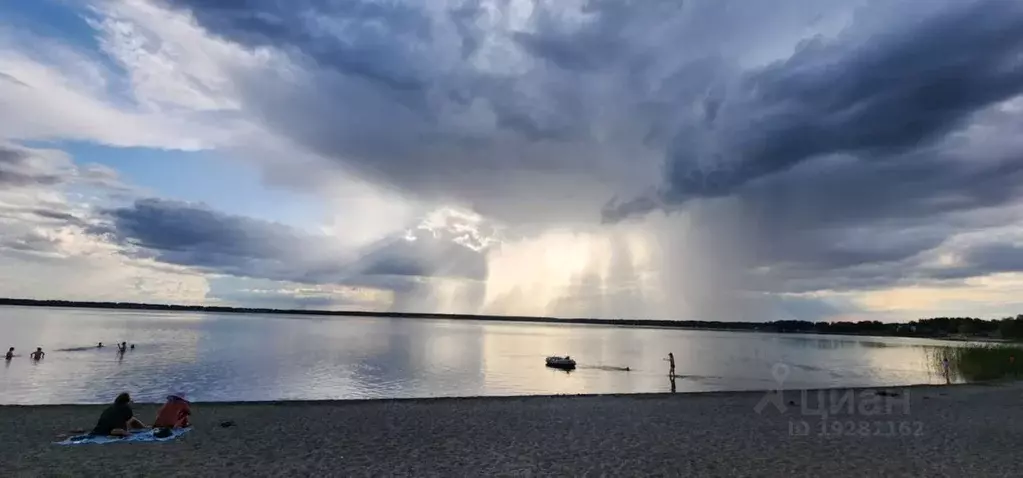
38 354
99 345
10 353
133 346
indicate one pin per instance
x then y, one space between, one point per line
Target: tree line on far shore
1009 328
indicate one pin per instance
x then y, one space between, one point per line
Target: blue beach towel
137 437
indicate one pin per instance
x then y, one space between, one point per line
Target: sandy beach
960 430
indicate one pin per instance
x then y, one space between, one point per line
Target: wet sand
961 430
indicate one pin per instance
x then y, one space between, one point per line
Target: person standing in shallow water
10 353
38 354
671 364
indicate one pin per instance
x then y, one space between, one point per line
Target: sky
707 159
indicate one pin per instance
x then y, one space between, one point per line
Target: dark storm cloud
835 167
887 91
380 37
876 99
181 233
845 172
602 42
393 91
848 213
197 236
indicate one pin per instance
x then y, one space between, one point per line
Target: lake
238 357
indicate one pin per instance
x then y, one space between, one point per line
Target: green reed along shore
980 362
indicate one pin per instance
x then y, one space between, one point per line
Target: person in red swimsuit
175 413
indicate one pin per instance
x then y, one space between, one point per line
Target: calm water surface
228 357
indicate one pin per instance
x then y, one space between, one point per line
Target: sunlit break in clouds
707 159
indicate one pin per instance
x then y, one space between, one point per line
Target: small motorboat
563 363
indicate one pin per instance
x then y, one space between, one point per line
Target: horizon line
677 323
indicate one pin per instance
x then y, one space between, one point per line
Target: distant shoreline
861 329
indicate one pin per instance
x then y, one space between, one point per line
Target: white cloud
46 250
176 94
46 102
171 63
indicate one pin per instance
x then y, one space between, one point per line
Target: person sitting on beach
118 419
10 353
38 354
174 413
